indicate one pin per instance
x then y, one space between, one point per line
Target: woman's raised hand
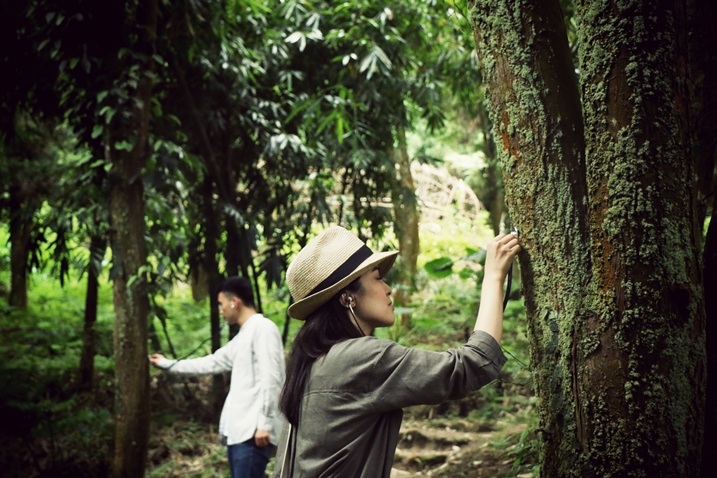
499 256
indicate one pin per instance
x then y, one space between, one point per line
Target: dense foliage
203 139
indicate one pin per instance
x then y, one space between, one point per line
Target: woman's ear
346 300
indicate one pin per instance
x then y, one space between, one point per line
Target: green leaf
368 64
297 37
381 55
108 113
326 122
477 256
466 274
96 131
340 129
123 145
441 267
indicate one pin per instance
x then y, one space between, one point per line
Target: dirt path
424 450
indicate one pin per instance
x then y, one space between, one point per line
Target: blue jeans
246 460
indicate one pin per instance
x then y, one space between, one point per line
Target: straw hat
327 264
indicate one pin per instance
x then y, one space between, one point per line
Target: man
250 422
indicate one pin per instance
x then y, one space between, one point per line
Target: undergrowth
52 427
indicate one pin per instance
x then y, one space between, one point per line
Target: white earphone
349 300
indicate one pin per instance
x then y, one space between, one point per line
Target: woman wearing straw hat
345 389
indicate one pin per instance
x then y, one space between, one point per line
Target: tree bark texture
129 250
87 357
405 209
211 237
21 222
599 182
491 193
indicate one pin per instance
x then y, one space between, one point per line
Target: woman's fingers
501 252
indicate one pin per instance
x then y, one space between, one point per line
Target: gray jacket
351 410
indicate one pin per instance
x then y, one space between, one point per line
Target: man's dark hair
238 287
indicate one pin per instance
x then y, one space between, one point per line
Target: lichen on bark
600 187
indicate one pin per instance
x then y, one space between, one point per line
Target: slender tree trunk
87 357
21 219
153 337
232 257
231 253
211 236
709 467
406 219
131 304
129 250
492 194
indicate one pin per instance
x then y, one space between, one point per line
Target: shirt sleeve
406 376
269 357
220 361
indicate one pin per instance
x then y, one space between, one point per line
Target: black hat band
344 269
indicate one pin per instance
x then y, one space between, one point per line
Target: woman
345 389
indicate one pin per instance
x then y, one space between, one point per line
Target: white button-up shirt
255 357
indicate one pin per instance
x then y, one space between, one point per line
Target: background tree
604 197
27 135
702 46
126 144
385 73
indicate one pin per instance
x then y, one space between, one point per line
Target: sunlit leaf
441 267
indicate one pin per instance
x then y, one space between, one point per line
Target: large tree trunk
533 95
406 217
645 236
607 218
129 252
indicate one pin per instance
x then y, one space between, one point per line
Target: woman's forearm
499 259
490 312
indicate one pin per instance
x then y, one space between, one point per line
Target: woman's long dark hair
326 326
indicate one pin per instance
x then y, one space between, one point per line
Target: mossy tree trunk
126 142
599 181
